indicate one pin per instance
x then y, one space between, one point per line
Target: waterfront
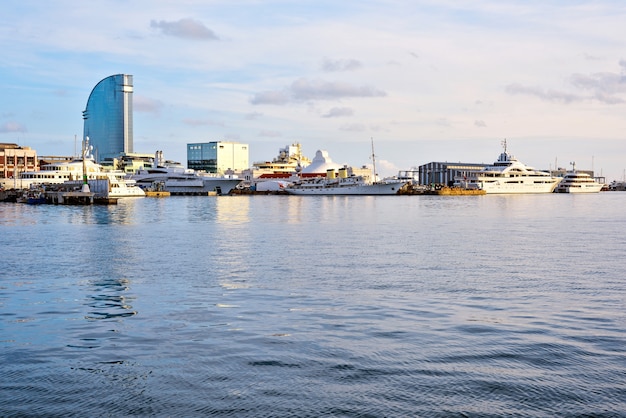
315 306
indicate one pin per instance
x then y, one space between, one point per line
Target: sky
423 80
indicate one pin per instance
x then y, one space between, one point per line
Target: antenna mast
373 161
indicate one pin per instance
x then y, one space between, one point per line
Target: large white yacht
578 182
508 176
73 171
172 177
343 183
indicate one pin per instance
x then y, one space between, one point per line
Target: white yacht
72 172
508 176
174 178
342 184
578 182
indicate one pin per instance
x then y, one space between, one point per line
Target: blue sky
436 80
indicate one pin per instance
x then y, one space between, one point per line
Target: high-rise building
217 157
108 117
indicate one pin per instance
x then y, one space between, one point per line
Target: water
269 306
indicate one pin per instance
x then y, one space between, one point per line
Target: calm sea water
275 306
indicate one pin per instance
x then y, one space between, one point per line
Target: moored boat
342 184
178 180
578 182
508 176
76 171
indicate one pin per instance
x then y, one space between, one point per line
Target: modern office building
108 117
217 157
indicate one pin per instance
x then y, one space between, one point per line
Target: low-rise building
444 173
15 159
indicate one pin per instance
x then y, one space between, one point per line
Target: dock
440 191
455 191
159 193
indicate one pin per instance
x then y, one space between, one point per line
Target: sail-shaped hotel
108 117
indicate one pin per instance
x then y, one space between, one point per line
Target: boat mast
373 161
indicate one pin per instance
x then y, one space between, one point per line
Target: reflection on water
109 300
387 306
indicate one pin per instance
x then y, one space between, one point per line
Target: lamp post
85 188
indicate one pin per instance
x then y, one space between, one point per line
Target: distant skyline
427 80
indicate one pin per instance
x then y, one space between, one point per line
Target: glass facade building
108 117
217 157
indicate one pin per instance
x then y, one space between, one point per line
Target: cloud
304 90
341 65
185 28
147 105
605 82
548 95
253 115
12 127
337 112
270 134
480 123
270 97
354 127
385 168
602 87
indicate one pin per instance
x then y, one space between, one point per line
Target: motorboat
618 185
507 175
178 180
578 182
342 182
34 195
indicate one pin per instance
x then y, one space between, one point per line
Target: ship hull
362 190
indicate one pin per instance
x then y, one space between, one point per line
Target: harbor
58 183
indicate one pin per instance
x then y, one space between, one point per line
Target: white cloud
305 89
341 65
337 112
353 127
270 133
549 95
9 127
185 28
